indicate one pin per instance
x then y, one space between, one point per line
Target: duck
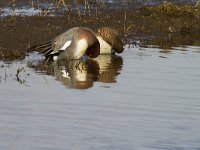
110 41
70 45
79 41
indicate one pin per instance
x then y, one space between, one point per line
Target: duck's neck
80 49
105 48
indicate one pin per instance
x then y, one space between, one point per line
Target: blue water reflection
152 102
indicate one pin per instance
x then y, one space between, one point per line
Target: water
147 98
43 8
24 11
143 99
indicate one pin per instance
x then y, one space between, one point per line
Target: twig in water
65 5
48 10
18 76
124 21
18 71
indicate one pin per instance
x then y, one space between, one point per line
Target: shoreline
181 22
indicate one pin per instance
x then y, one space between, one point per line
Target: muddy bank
108 3
175 25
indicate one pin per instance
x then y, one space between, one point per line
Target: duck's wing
62 41
42 47
56 45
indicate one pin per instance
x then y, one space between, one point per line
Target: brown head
93 44
112 37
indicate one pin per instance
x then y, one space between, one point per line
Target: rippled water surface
146 98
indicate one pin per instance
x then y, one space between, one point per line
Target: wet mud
165 25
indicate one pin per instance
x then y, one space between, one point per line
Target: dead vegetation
19 33
168 9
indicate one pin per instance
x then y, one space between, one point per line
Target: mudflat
182 22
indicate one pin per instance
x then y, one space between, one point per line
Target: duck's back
63 40
71 44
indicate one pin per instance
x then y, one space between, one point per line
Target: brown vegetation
18 33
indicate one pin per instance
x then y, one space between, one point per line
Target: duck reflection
82 74
109 67
74 73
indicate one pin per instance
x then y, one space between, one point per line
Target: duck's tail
43 48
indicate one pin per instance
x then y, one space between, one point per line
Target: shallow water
143 99
53 8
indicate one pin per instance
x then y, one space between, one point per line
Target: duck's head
93 45
111 37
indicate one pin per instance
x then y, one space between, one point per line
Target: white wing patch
62 48
66 45
55 58
65 74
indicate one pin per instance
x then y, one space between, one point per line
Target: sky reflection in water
142 99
